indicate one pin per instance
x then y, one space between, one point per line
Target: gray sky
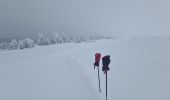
22 18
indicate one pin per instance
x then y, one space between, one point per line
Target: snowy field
140 70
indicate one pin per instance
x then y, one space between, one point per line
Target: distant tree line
56 38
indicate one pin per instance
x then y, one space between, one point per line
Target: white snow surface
139 70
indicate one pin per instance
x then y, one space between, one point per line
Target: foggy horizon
21 18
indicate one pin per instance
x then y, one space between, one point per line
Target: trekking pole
96 64
106 85
106 61
99 79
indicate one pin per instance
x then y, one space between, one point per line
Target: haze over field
27 18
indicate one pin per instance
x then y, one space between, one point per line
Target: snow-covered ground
140 70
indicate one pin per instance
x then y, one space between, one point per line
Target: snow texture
140 70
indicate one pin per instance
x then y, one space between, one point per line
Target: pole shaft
99 79
106 85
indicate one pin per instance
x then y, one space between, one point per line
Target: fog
27 18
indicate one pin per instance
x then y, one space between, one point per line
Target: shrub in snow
60 39
57 38
53 38
13 45
48 42
26 43
45 41
4 46
79 39
41 39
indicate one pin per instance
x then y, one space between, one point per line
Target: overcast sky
21 18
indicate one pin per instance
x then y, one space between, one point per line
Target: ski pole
106 62
106 85
99 79
96 64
